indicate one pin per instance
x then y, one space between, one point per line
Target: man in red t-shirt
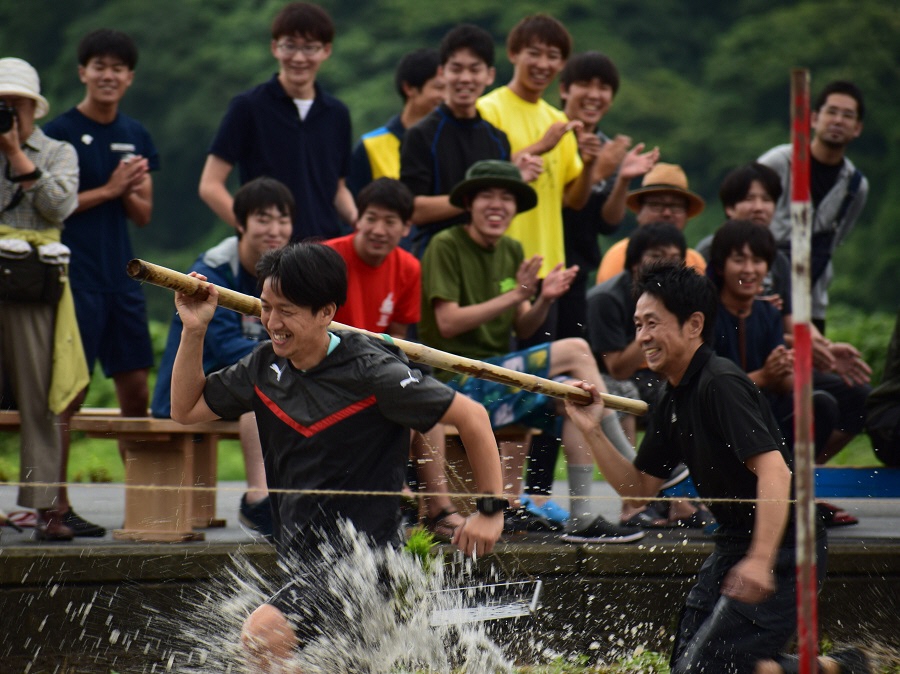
383 295
384 280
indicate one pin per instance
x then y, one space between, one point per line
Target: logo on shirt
411 379
386 310
87 139
278 371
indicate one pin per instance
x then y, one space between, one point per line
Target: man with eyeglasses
663 197
289 129
837 188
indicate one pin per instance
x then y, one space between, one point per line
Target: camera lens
7 116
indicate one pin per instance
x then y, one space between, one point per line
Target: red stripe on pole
804 450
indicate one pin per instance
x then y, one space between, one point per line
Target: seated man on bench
477 290
264 210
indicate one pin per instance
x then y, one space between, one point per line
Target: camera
7 117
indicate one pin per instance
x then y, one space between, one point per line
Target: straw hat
494 173
666 178
19 78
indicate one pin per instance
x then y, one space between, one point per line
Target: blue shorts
114 330
509 405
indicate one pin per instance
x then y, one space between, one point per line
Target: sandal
439 527
22 518
834 516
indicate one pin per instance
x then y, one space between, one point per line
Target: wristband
25 177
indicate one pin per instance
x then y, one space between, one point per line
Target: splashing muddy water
372 611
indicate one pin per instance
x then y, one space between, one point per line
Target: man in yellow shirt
538 47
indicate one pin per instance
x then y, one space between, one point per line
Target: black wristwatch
489 505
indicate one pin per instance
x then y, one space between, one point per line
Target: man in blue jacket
263 209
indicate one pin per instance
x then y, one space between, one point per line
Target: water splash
371 609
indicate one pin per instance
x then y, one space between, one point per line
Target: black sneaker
257 517
520 520
602 531
81 527
852 661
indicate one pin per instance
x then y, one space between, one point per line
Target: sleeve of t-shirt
347 144
360 169
572 164
416 168
655 456
404 394
735 406
441 272
606 323
229 392
409 301
148 149
231 139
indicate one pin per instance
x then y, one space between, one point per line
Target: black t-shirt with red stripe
341 425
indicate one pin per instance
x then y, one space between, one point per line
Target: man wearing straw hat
38 190
663 197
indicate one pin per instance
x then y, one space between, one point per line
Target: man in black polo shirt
289 129
742 610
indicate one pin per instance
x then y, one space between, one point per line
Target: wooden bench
459 472
163 461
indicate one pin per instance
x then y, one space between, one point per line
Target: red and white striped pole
804 451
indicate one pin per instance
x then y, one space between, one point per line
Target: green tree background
707 82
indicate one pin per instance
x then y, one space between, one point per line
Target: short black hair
731 238
736 185
588 66
845 87
653 235
309 274
108 42
415 69
303 19
540 28
468 36
259 195
682 291
387 193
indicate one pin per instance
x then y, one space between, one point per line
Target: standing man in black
837 188
742 610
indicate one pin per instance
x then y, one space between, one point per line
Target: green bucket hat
494 173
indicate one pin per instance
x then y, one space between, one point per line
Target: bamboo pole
246 304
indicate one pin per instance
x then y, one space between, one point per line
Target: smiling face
467 76
492 212
588 101
743 275
378 232
424 99
296 332
106 79
535 68
837 122
264 231
667 346
299 60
